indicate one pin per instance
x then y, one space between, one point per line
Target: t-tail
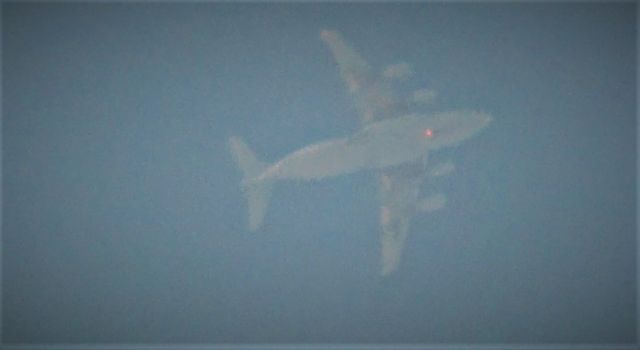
257 192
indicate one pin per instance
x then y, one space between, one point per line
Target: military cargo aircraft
392 141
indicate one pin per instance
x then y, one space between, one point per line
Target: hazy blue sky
123 219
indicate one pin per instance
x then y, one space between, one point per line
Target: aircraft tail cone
257 192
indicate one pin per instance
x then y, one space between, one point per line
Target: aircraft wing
371 92
399 191
400 200
375 100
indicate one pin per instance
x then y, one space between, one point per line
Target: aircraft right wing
400 200
399 191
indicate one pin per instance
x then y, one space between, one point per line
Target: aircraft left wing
371 92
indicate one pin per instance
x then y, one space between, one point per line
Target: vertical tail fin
257 192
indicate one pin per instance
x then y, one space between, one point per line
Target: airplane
375 99
392 141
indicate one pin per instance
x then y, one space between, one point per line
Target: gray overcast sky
123 219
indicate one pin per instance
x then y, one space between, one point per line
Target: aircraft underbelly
321 160
381 148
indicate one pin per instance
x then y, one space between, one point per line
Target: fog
124 220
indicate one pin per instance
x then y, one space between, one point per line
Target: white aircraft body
392 142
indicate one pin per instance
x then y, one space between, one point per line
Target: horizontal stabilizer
247 161
257 192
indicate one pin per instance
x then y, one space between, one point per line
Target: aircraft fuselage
379 145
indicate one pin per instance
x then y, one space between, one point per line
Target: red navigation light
427 133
